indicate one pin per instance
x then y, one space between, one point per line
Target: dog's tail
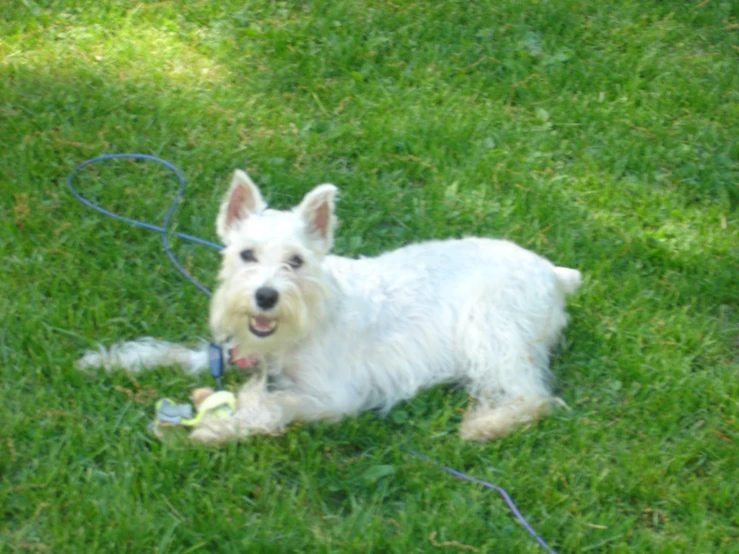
146 353
568 279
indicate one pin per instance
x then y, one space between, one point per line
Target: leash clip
215 363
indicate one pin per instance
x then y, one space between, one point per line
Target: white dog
337 336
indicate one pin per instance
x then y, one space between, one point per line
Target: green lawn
602 134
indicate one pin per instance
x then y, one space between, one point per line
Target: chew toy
207 404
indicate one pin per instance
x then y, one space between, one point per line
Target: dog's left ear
317 211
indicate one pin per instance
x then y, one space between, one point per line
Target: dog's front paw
203 435
215 431
90 360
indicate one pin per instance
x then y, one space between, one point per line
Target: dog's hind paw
486 424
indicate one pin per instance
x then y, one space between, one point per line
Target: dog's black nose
266 297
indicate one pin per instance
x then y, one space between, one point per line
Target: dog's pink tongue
246 361
263 323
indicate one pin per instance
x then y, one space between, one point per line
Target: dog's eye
295 262
248 255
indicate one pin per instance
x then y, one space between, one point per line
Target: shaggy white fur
337 336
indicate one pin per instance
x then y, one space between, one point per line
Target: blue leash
215 352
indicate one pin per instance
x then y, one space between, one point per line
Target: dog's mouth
262 326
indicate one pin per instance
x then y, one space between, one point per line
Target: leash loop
164 229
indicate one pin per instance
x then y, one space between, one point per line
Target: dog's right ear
242 200
317 212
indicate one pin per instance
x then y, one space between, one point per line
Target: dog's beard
235 316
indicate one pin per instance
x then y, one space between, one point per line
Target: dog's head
271 284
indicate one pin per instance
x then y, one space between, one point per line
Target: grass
600 134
